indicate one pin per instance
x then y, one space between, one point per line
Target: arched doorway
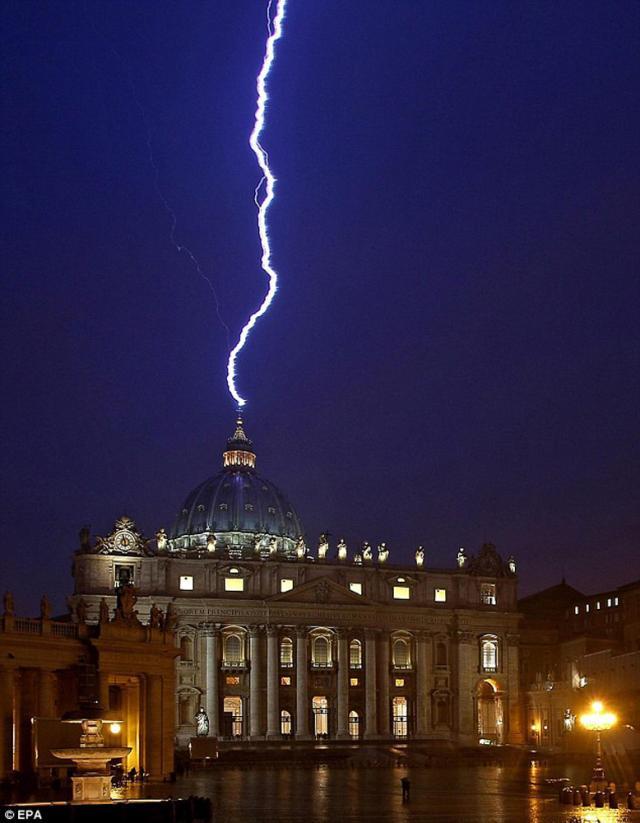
354 725
400 719
489 711
320 716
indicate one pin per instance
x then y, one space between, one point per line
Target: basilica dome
237 506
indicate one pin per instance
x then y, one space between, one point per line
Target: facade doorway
233 719
400 718
489 711
320 716
354 725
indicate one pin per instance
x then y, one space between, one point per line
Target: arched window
286 653
285 723
400 717
186 648
441 654
232 650
321 652
354 724
355 654
489 654
401 654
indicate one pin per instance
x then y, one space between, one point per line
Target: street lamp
598 721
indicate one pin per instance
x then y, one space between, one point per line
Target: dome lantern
239 453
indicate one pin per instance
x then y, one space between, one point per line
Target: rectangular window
615 601
285 681
576 609
399 682
587 607
401 593
232 680
186 583
123 575
234 584
353 681
488 594
440 595
356 588
609 601
286 584
598 604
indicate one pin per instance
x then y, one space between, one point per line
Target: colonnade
264 676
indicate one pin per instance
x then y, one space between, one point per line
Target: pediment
322 590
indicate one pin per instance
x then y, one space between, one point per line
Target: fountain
93 781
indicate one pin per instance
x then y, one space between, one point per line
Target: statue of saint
301 549
126 601
367 553
211 542
511 564
462 558
357 559
155 617
323 546
9 608
104 611
45 608
161 540
383 553
273 546
81 611
202 723
419 557
342 549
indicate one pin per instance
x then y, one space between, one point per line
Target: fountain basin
93 781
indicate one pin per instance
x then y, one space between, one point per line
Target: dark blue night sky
453 355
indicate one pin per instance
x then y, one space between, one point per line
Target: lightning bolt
264 192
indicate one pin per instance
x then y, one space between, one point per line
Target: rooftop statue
161 540
323 546
211 542
301 549
342 549
104 611
273 546
383 553
155 617
419 557
367 554
462 558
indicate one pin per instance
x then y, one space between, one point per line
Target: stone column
255 730
371 696
47 693
512 710
467 676
273 685
6 722
153 725
383 685
302 697
212 683
342 730
422 685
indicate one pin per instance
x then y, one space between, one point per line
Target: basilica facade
277 641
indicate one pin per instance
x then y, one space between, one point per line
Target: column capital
273 631
371 634
302 631
255 631
210 629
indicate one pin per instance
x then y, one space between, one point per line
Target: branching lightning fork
265 187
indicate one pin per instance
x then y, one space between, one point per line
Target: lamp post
598 721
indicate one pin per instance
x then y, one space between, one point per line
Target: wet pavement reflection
486 794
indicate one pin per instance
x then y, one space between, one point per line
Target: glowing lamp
597 720
115 728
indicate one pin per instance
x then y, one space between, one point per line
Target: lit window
354 724
401 593
609 602
576 609
234 571
186 583
355 654
123 575
321 652
353 681
489 655
356 588
598 604
223 507
401 654
232 680
286 584
587 607
285 681
488 594
285 723
399 682
440 595
286 652
615 601
233 584
232 650
582 681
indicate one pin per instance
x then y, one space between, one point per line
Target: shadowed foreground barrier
183 810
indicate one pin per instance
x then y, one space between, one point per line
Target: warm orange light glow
115 728
598 720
